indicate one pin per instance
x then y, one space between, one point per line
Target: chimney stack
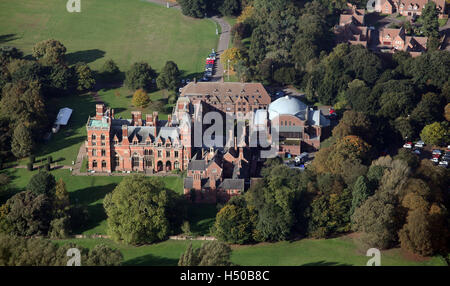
155 118
136 118
169 120
125 134
100 111
149 120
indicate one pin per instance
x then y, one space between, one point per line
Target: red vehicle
209 61
436 156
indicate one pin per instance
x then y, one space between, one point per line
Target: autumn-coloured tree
436 133
233 55
447 112
246 13
140 98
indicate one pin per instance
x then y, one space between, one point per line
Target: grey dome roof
287 105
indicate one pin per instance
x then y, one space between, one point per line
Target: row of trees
205 8
20 251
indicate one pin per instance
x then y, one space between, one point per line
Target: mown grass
323 252
124 30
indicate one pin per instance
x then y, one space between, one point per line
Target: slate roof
232 184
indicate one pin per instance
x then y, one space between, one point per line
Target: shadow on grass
325 263
8 37
201 217
151 260
87 56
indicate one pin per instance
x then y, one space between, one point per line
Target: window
103 152
94 152
93 137
167 154
94 164
103 137
116 161
159 153
176 165
135 161
103 164
148 163
175 154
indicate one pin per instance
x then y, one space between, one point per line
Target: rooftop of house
227 92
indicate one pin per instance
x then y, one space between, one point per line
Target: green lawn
124 30
337 251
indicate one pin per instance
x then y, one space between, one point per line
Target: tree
22 142
430 24
62 200
212 253
436 133
140 98
49 52
103 255
193 8
361 192
447 112
230 7
378 219
26 214
140 210
169 76
110 71
231 57
429 109
43 183
85 76
139 76
233 224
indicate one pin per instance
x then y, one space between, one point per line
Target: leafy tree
430 24
85 76
354 123
230 7
447 112
26 214
49 52
62 200
361 191
103 255
212 253
436 133
24 70
284 75
22 142
8 53
59 228
233 55
110 71
141 210
408 157
193 8
61 77
233 224
378 219
140 98
169 76
44 183
139 76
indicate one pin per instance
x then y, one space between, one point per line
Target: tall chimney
136 118
169 119
155 118
149 120
125 134
100 111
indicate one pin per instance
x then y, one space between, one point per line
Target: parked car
419 144
205 78
209 67
208 74
435 160
417 151
437 152
209 61
443 164
407 145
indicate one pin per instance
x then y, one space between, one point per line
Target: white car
435 160
443 164
419 144
408 145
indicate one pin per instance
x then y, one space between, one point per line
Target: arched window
93 137
102 137
103 152
94 164
116 160
176 165
103 164
94 152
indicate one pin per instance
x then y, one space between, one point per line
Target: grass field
324 252
123 30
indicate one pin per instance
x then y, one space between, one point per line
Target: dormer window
135 142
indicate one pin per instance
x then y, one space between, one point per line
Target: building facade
147 145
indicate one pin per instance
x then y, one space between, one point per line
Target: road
224 39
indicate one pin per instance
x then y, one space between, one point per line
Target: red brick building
137 144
